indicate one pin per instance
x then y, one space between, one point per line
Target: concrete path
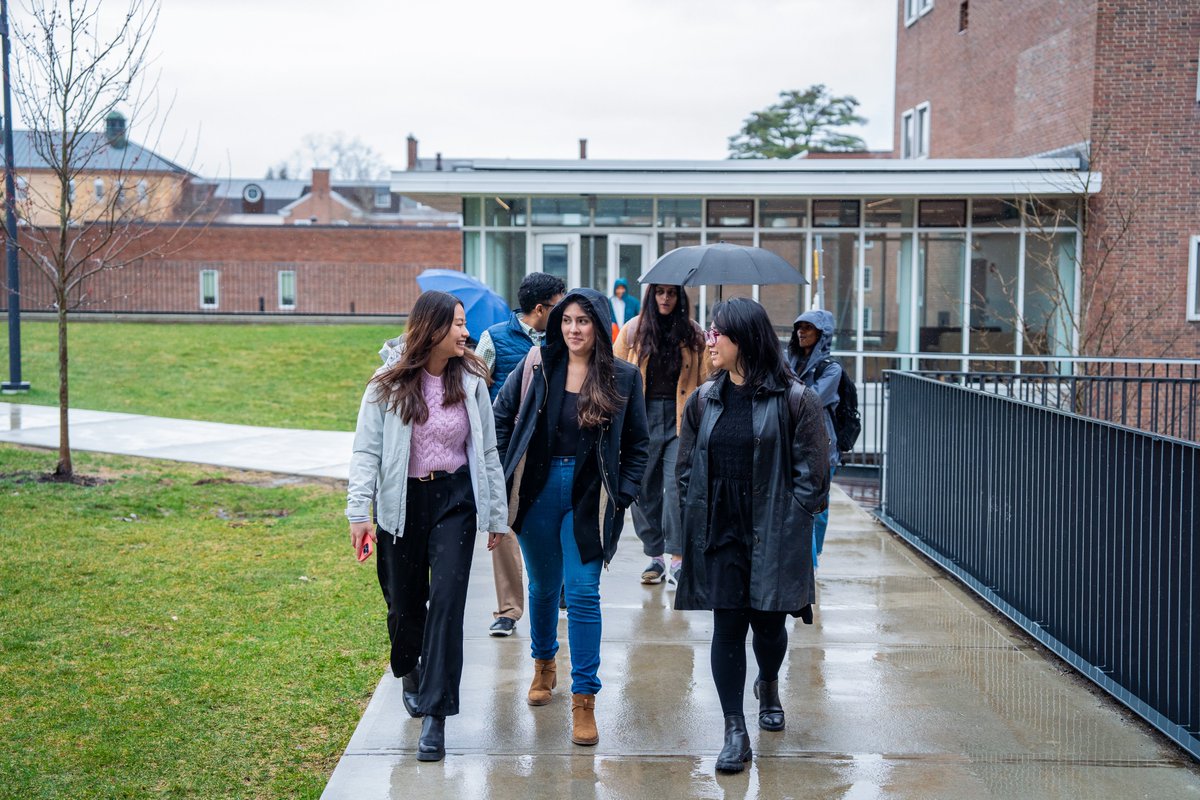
323 454
906 687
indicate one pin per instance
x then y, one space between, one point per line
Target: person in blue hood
809 357
622 306
573 440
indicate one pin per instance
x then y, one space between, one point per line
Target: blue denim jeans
552 562
820 523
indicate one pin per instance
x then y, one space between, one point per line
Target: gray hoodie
826 386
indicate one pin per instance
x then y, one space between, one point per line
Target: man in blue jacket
502 347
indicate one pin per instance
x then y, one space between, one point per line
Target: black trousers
423 575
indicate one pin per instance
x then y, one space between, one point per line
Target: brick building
242 269
1113 81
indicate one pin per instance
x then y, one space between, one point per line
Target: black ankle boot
770 711
410 685
432 745
736 751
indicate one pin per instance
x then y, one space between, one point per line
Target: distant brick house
1115 81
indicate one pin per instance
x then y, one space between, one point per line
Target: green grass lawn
288 376
178 633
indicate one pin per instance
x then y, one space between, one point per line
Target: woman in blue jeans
571 430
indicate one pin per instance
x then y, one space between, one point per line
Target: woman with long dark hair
668 347
571 428
753 472
425 461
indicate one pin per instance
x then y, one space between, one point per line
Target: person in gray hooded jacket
808 356
425 463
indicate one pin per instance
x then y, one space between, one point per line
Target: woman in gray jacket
425 459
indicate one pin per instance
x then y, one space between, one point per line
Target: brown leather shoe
583 719
545 678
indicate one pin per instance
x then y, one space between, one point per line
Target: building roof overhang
830 177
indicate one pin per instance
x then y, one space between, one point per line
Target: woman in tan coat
668 347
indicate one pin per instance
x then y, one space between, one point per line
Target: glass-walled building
920 264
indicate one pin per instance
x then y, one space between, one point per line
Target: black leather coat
610 460
791 484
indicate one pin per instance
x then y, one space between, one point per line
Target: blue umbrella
483 306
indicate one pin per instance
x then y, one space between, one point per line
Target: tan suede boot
545 678
583 719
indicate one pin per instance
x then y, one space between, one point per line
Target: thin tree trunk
65 468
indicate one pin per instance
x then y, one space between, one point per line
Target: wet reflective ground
906 687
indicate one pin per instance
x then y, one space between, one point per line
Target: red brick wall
1146 143
1017 82
372 268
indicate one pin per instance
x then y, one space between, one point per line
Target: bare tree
101 208
348 159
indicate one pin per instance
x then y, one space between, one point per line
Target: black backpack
847 425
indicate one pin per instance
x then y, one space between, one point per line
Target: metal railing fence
1083 532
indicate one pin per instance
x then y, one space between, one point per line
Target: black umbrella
721 264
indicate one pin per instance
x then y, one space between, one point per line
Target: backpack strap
532 359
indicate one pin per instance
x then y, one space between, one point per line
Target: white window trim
867 276
915 9
98 189
279 288
907 123
1193 288
216 288
921 132
867 318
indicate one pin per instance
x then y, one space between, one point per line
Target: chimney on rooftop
114 129
438 164
320 183
412 152
583 149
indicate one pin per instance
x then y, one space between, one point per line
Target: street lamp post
14 383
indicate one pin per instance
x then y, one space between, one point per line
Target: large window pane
887 298
668 242
993 296
943 214
674 213
995 213
784 303
471 254
787 212
505 265
504 212
628 211
835 213
835 278
1049 293
940 270
888 212
730 213
565 211
471 213
593 264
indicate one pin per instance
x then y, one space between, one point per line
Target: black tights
728 654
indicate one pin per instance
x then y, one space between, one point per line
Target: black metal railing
1083 532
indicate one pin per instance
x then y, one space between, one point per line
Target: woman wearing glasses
753 472
668 348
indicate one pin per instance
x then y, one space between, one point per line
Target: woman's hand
494 538
358 532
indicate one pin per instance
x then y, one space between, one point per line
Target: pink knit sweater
439 443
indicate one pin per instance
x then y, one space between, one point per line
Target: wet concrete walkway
906 687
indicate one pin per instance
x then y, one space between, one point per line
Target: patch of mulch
29 476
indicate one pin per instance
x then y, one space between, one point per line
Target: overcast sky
528 79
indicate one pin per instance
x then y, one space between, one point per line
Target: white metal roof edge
890 165
971 183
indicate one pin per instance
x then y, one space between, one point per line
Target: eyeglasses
711 335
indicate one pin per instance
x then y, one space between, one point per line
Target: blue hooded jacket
826 386
633 306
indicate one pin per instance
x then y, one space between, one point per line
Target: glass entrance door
628 258
558 254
